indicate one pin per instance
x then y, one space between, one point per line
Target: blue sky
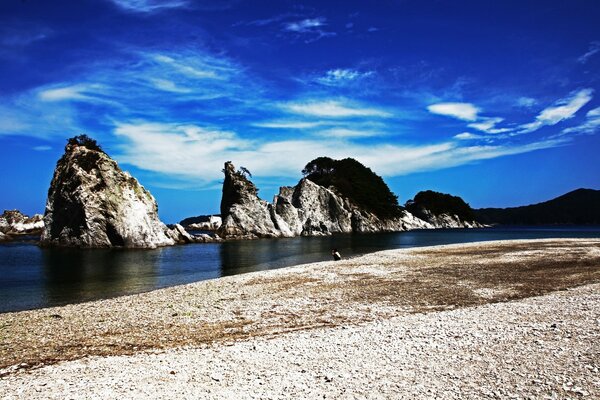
497 102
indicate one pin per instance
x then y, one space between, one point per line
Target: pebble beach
510 319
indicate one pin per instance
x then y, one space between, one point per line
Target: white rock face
307 209
244 214
213 223
93 203
449 221
13 222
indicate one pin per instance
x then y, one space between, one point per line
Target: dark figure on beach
336 255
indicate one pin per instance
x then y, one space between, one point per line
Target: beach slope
482 320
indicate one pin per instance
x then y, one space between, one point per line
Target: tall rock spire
93 203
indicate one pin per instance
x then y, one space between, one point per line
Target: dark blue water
31 277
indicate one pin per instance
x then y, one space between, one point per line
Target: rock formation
202 222
443 210
93 203
306 209
243 213
15 223
446 220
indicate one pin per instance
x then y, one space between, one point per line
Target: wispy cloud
333 109
142 85
348 133
591 124
462 111
526 102
172 148
149 6
27 115
72 92
468 136
42 148
268 21
168 86
22 35
287 124
341 76
593 50
312 28
305 25
563 109
488 125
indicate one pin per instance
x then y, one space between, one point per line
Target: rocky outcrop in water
93 203
14 223
243 213
202 222
448 220
443 210
306 209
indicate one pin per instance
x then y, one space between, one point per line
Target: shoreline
368 289
145 288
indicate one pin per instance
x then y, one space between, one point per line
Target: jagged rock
179 234
409 222
306 209
3 237
205 238
202 222
13 222
442 210
243 213
448 221
321 211
93 203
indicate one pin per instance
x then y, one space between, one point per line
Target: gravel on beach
442 322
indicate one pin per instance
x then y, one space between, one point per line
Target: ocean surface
32 277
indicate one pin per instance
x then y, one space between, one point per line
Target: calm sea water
31 277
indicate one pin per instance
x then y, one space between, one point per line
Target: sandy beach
511 319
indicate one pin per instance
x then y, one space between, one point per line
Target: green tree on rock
85 141
355 181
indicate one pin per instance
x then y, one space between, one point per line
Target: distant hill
579 207
439 203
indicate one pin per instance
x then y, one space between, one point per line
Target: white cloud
526 102
287 124
73 92
467 136
309 27
149 6
563 109
26 115
168 86
42 148
305 25
593 49
193 66
175 150
339 76
591 125
488 125
333 109
463 111
347 133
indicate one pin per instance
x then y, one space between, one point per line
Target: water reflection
80 275
31 277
